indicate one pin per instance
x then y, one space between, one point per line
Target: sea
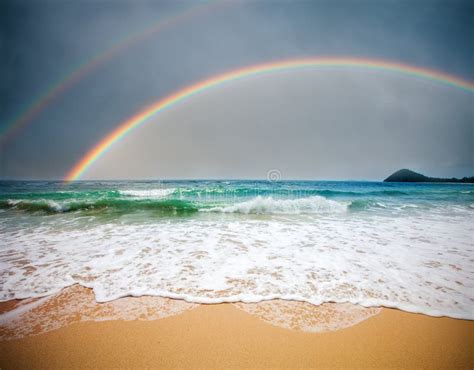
402 245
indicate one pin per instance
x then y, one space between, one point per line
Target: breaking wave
269 205
149 194
120 205
258 205
374 244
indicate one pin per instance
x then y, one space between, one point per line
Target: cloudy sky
340 123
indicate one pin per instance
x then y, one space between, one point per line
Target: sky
341 123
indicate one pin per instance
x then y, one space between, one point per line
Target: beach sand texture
179 334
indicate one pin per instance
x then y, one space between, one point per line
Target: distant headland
406 175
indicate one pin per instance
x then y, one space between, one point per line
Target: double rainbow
144 116
26 116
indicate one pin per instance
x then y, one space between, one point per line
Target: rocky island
405 175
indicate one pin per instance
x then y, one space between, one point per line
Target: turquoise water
399 245
176 198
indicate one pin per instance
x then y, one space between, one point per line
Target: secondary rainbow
12 127
144 116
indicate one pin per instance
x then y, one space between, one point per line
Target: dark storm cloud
41 41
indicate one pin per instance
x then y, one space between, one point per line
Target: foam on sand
77 304
407 246
418 266
306 317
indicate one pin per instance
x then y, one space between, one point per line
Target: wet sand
218 336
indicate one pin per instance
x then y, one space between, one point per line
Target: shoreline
224 335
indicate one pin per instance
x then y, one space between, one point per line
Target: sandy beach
222 335
130 275
223 184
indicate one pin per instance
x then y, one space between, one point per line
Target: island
405 175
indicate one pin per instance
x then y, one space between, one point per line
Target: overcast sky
312 124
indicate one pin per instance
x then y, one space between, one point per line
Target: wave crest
269 205
149 194
122 206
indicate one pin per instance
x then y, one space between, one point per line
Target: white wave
421 262
269 205
149 193
55 206
52 205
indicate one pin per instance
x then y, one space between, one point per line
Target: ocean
401 245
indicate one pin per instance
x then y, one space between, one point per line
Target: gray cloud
324 124
41 41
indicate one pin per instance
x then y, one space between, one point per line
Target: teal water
401 245
183 197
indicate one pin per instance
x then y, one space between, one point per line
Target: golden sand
76 304
226 335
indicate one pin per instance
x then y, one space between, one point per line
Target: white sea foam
421 262
303 316
269 205
51 204
149 193
9 316
77 304
57 207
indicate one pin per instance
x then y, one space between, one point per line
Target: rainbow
11 128
140 118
